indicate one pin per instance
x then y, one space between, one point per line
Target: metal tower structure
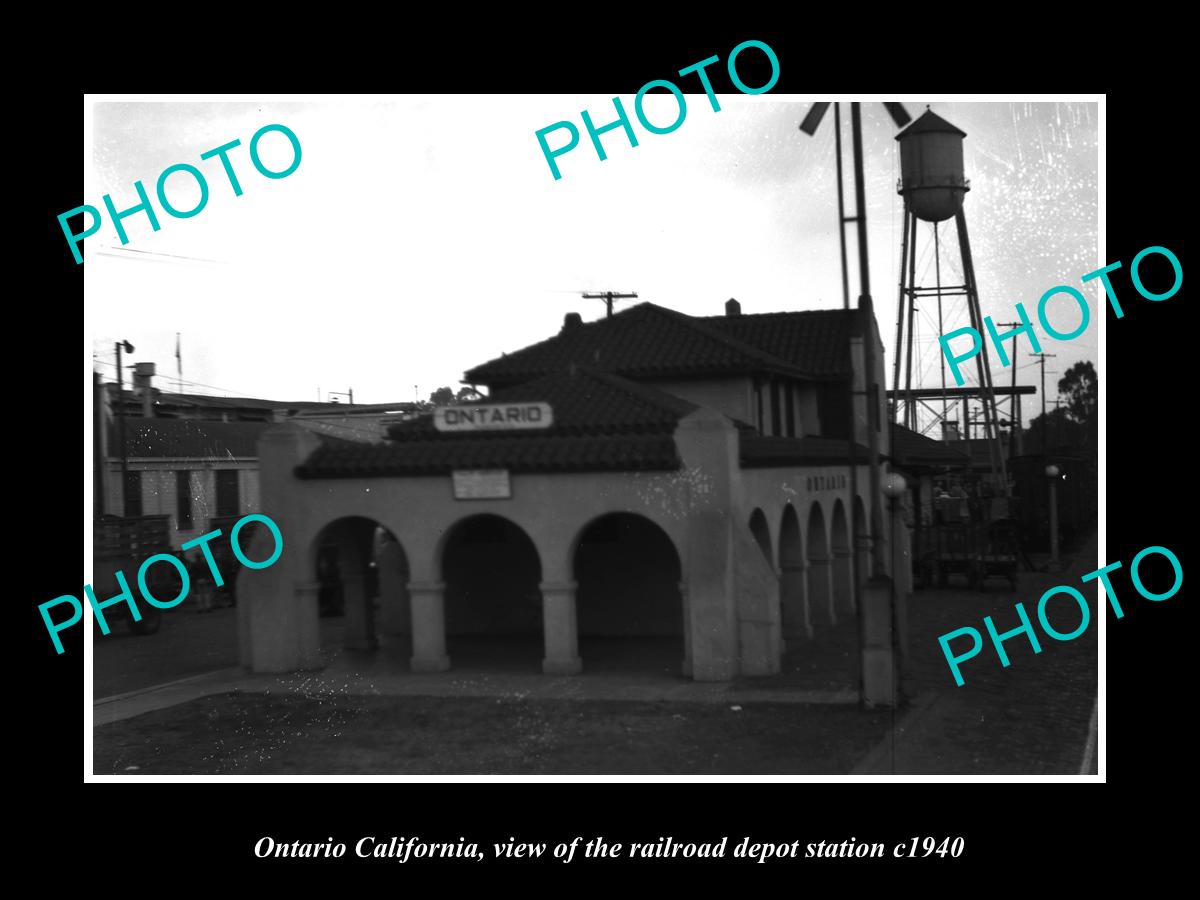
934 186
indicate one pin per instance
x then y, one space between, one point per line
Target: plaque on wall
481 484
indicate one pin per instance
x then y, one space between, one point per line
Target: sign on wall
493 417
481 484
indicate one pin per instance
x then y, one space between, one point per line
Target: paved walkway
1034 717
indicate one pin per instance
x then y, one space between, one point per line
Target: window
758 403
133 494
183 500
776 422
227 492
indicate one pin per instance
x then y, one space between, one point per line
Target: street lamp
893 487
1052 473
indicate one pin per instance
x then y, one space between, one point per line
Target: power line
121 250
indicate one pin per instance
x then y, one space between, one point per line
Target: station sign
493 417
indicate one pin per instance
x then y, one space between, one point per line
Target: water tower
934 186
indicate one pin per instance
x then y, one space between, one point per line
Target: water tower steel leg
983 363
937 274
910 413
900 319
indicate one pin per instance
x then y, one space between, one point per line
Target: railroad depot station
647 475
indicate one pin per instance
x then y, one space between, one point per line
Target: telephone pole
608 297
1042 362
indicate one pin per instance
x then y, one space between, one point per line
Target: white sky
423 235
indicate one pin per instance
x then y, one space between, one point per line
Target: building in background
193 457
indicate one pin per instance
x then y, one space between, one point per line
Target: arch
843 558
361 573
820 571
793 594
629 604
762 535
492 574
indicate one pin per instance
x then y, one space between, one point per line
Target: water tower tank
931 167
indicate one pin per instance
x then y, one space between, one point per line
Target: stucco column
843 583
902 567
428 626
394 615
687 630
560 629
360 622
879 675
279 628
708 446
863 542
794 599
307 627
820 589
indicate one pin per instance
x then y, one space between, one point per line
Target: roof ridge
778 312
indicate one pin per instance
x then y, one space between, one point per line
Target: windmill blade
813 119
899 114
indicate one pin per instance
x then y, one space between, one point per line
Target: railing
938 181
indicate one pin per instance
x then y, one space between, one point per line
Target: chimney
142 373
572 320
732 307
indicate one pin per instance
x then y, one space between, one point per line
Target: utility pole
608 297
1042 362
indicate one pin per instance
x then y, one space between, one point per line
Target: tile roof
817 341
760 451
909 448
186 439
642 341
601 423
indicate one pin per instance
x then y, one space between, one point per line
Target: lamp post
1052 473
894 486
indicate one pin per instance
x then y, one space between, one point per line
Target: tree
443 396
468 394
1079 386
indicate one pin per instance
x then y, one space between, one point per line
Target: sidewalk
1034 717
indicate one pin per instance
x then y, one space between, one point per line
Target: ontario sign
493 417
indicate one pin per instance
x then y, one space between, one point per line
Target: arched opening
820 570
792 588
628 601
493 599
361 575
843 559
762 535
862 539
